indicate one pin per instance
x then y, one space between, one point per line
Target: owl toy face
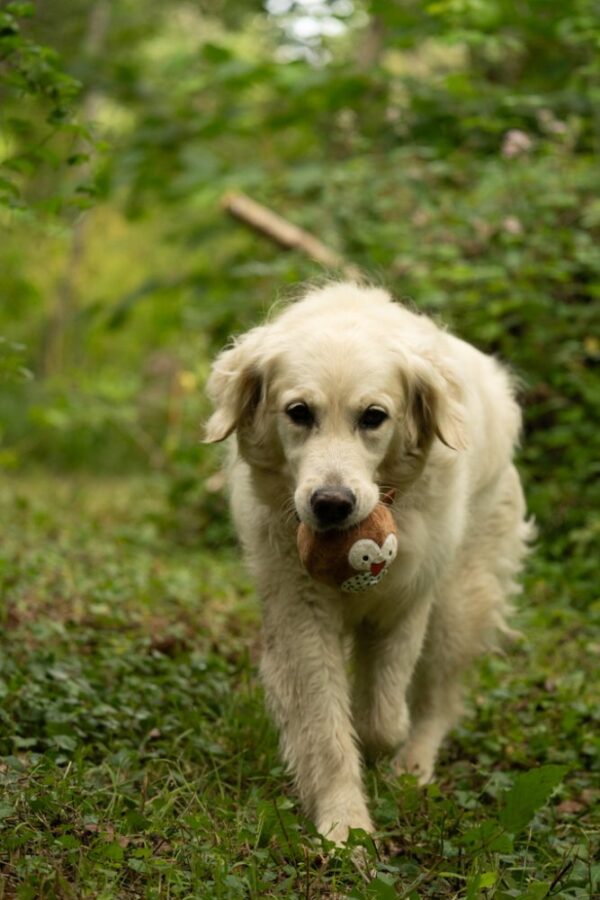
355 559
371 562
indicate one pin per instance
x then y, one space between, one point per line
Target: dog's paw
381 735
336 828
414 759
351 842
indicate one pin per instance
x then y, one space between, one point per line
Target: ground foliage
138 760
450 150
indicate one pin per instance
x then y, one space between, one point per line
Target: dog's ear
434 407
236 386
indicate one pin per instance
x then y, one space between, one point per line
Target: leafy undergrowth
136 758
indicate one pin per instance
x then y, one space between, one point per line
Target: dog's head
336 399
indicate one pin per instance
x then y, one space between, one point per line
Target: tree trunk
59 339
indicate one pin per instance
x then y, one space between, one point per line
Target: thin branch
285 233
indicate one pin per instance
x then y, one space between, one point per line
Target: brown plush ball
355 559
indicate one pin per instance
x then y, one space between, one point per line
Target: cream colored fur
447 448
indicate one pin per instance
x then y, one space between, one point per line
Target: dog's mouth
355 518
307 512
321 528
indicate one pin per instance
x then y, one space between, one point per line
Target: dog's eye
372 418
300 414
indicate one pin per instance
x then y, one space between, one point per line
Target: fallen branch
285 233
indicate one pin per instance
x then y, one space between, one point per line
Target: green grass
136 758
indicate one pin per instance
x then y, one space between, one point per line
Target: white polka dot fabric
362 582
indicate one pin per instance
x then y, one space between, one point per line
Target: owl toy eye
362 553
390 548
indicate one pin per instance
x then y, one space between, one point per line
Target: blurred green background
449 149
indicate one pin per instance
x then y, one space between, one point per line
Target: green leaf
537 890
479 882
8 186
112 851
64 741
382 888
473 885
529 792
489 835
25 10
6 810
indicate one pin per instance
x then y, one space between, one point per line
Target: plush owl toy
355 559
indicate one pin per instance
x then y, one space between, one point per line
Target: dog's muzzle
332 506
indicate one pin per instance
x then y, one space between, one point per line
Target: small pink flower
512 225
515 143
550 123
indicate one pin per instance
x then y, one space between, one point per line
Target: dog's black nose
332 505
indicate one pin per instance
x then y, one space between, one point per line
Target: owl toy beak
377 567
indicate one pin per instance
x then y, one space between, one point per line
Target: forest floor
137 760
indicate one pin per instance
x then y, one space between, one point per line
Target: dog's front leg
385 660
303 670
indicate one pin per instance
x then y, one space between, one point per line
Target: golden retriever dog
342 396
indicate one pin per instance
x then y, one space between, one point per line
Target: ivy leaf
529 792
478 882
382 887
